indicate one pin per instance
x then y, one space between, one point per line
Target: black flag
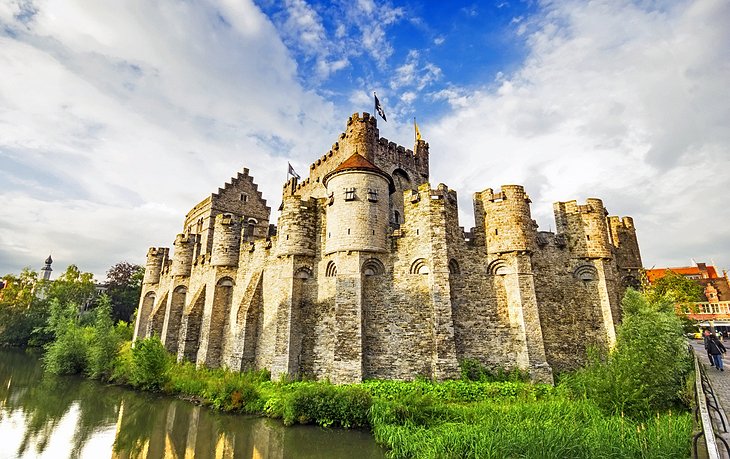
292 172
379 108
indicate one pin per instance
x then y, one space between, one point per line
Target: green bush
327 405
104 341
647 371
473 370
149 365
69 353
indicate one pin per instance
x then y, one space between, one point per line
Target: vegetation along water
632 402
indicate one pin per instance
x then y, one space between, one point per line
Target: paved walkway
720 381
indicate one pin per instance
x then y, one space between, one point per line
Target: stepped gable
234 181
357 162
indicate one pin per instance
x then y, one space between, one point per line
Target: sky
117 117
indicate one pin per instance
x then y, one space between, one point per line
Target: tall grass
555 428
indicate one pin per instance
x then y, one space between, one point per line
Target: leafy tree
73 288
676 288
680 291
124 284
23 310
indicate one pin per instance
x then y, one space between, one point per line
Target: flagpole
375 107
415 135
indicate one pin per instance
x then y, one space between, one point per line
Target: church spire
46 270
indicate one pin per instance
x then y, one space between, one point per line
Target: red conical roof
357 162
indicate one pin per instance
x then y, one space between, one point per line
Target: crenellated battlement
625 222
550 239
626 245
156 260
443 193
584 227
365 118
505 219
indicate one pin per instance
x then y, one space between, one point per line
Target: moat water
45 416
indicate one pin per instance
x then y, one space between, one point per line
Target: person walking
715 348
705 341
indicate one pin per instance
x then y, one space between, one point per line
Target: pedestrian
716 349
706 340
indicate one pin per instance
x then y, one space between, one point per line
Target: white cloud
371 22
112 127
413 75
614 100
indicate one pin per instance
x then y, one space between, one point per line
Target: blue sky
116 118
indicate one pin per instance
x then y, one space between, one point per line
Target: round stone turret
585 227
182 257
508 224
357 207
226 240
297 227
156 257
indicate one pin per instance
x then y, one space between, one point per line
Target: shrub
104 341
69 353
473 370
149 365
327 405
647 370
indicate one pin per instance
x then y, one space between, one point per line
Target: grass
451 419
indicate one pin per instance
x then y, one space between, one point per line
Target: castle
367 274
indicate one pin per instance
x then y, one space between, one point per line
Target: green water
58 417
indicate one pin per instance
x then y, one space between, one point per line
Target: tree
23 313
680 291
124 284
25 304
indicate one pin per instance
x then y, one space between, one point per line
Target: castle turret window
349 194
372 195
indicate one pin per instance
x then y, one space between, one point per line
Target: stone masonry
368 274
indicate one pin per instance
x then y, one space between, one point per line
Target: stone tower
357 212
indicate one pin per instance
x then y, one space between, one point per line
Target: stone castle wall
386 284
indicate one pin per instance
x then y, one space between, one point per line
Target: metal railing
708 414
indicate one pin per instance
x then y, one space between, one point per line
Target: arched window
225 282
248 230
331 270
372 267
303 273
419 266
498 267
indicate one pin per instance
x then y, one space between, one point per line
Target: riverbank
421 418
631 402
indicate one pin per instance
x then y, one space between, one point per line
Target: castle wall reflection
55 417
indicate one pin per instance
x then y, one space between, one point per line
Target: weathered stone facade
368 274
